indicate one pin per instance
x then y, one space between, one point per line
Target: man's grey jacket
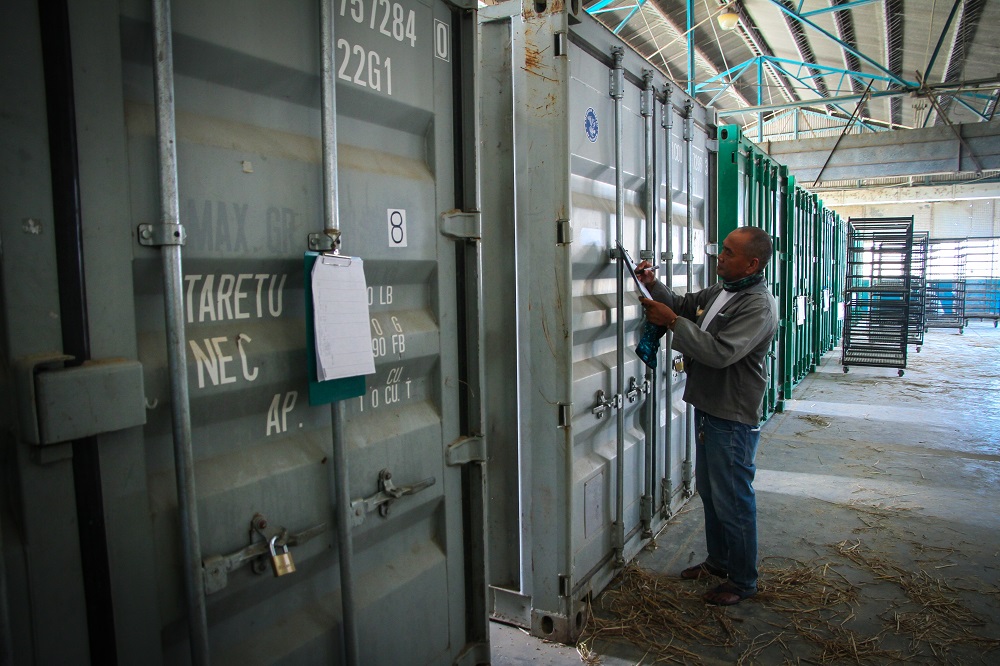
725 363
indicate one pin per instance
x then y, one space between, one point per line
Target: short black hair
758 244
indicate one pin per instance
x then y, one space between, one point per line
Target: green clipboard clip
321 393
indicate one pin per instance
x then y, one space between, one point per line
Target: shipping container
119 543
583 145
171 174
754 190
806 274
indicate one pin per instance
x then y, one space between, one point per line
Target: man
724 332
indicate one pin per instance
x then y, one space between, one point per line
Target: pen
647 268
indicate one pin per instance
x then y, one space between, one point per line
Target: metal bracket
646 255
617 74
216 568
64 404
156 235
666 110
386 495
614 254
466 450
667 257
712 145
327 241
463 226
605 404
687 257
646 96
712 249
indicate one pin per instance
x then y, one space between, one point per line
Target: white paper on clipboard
340 318
630 265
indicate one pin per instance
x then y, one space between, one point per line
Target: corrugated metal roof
911 41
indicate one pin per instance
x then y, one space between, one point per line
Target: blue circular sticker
590 125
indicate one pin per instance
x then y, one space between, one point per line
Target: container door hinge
155 235
712 145
565 586
559 44
565 414
466 450
564 232
463 226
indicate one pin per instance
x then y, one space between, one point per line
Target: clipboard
321 393
630 265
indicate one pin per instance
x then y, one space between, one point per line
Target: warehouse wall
943 219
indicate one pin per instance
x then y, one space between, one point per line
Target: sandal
727 594
703 570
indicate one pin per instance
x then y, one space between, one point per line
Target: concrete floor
885 487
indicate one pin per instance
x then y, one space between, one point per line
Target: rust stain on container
532 59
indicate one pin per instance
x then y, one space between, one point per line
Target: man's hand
658 313
645 272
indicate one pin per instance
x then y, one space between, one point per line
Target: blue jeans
724 473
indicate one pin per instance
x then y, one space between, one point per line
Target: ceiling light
728 18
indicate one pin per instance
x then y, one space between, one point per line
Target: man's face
733 261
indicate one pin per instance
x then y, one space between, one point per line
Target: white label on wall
397 227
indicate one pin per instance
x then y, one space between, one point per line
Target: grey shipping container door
574 492
247 93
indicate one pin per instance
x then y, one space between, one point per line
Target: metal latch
605 404
386 495
64 404
216 568
635 389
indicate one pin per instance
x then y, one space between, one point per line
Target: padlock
281 563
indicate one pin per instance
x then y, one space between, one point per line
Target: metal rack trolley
918 289
877 292
945 300
982 279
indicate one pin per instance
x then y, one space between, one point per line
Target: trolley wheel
961 330
918 350
995 323
846 369
899 372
